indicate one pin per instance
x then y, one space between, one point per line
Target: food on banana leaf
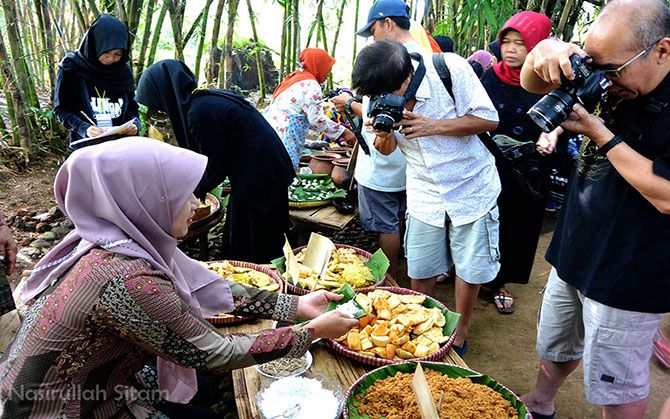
345 267
246 276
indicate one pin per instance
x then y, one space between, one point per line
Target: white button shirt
456 175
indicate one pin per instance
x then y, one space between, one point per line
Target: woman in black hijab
240 145
97 81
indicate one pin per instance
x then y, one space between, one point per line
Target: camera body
385 110
587 88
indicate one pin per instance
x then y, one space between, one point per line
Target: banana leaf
349 295
451 371
378 264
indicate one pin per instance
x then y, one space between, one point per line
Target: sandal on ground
541 416
461 350
445 277
504 301
662 351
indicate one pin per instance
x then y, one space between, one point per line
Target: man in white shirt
452 182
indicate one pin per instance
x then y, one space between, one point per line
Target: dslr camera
385 110
586 89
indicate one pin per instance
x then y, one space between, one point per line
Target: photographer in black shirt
611 276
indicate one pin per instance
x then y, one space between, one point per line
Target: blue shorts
471 248
381 212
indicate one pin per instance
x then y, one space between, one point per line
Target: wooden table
325 217
247 381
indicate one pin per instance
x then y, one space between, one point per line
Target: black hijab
105 34
168 86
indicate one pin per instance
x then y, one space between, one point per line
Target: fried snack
245 276
396 327
344 267
390 399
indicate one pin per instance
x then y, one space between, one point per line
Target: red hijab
316 64
533 27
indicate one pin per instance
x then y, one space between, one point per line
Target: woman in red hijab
521 213
296 104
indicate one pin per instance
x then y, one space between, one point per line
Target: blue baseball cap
383 9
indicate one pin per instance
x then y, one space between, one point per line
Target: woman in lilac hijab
117 291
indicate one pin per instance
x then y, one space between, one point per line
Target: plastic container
308 358
310 405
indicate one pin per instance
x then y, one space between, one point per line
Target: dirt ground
500 346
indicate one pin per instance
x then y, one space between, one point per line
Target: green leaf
349 294
378 264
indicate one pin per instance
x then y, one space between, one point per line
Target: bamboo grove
35 34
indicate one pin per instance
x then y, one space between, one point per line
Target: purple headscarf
484 58
124 195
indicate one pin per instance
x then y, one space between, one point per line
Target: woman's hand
94 131
332 325
131 130
315 303
8 250
348 136
546 144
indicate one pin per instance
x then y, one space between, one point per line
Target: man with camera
611 276
452 182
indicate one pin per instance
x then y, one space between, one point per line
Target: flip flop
662 351
461 350
499 300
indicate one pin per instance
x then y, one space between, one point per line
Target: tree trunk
259 57
151 4
213 64
201 43
157 34
20 65
285 33
48 44
134 15
353 57
227 56
79 15
94 8
340 12
21 130
295 56
564 16
176 21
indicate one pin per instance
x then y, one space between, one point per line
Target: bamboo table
326 217
247 381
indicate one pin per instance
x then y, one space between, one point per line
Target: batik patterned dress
296 110
85 337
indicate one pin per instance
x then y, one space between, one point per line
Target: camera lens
550 111
383 122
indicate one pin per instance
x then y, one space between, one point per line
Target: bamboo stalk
20 122
358 3
201 43
157 34
214 42
259 58
151 4
176 20
226 62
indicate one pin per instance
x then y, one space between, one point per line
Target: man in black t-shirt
611 276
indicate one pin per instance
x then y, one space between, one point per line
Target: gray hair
649 23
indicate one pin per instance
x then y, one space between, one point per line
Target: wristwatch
617 139
347 105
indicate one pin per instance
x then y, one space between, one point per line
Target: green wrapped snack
347 304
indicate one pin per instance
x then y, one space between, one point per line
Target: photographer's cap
381 10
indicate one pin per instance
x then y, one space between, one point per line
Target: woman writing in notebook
95 86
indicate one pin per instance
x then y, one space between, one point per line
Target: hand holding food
315 303
331 324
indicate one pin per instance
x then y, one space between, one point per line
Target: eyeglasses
615 73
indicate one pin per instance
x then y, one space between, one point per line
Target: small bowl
308 363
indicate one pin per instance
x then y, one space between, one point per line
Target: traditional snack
396 327
246 276
313 188
344 267
284 367
391 398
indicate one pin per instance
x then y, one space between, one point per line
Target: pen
87 118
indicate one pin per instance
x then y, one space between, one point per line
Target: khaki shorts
616 345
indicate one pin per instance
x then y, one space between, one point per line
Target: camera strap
419 74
